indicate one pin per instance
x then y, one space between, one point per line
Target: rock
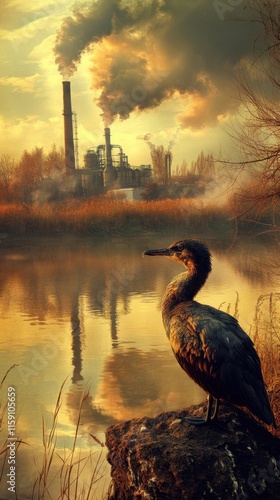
167 458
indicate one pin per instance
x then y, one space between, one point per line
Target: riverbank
112 217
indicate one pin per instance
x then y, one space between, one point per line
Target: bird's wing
213 349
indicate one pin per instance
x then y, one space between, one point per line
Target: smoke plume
146 51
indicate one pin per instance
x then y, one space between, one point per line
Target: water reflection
90 311
76 334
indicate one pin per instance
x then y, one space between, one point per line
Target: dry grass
69 475
4 450
106 216
68 479
265 333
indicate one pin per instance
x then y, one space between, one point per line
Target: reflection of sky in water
91 312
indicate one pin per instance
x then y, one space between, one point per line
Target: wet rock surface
167 458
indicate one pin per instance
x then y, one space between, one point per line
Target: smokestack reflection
76 341
68 129
111 300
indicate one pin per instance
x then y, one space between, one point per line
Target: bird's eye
180 247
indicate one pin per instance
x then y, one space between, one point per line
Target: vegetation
70 474
158 156
258 135
105 216
19 181
266 337
68 480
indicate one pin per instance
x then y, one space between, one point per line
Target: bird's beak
167 252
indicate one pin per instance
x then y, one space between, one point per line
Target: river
87 313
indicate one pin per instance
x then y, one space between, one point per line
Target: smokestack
109 177
108 148
167 168
68 129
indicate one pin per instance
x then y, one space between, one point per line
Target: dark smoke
146 51
89 23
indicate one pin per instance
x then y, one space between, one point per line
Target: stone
166 458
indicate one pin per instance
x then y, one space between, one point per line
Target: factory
106 166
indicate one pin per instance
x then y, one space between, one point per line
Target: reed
105 216
67 479
4 450
265 333
69 476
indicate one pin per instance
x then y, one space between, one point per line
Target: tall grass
66 481
70 473
265 333
106 216
4 450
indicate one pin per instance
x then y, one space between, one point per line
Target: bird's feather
209 344
218 355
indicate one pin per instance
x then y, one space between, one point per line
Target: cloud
27 84
26 32
23 20
145 52
28 5
29 132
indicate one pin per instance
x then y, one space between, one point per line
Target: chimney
108 148
167 161
68 129
109 177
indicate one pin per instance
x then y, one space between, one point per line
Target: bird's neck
182 288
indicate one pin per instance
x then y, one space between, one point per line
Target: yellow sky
154 47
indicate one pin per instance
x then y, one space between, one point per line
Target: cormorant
209 344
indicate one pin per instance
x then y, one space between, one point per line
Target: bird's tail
258 403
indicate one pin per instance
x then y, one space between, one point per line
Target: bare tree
54 163
204 166
35 166
158 157
259 135
30 172
7 177
182 170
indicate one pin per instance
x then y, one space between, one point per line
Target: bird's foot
197 421
216 424
210 416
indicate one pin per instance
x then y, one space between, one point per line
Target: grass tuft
69 474
265 333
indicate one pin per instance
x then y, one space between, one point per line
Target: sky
156 71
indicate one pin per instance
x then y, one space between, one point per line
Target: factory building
106 166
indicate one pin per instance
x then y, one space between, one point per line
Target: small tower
109 176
